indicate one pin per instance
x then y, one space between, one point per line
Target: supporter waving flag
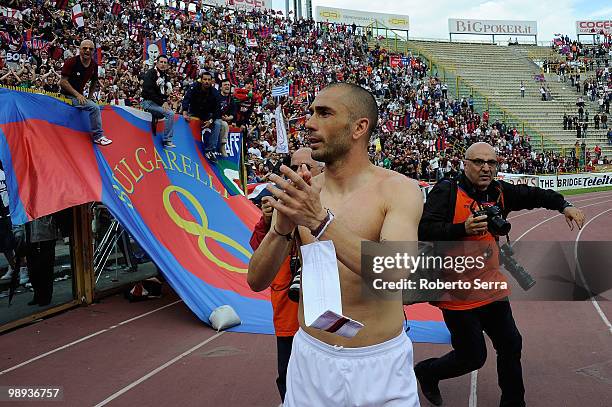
77 16
282 90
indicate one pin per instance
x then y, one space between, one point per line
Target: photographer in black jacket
155 91
448 216
202 101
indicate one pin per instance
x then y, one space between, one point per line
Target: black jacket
228 106
151 90
438 212
203 105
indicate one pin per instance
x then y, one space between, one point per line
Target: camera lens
499 226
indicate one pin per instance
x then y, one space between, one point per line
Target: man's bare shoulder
393 184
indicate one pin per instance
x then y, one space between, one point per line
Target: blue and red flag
426 324
172 201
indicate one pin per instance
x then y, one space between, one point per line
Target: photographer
284 309
448 216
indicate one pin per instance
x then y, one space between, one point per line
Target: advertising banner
594 27
361 18
250 4
519 179
490 27
576 181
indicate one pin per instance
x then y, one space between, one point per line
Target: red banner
395 61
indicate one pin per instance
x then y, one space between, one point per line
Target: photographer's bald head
304 156
480 165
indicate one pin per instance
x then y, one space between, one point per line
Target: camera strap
296 244
500 199
294 251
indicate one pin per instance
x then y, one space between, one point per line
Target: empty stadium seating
493 74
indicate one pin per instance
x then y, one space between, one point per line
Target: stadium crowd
596 88
422 129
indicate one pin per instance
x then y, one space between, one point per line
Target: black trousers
283 352
41 259
470 351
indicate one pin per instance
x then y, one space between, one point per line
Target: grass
584 190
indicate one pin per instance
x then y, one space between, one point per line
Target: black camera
496 224
296 275
506 257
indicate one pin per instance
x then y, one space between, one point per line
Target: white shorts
322 375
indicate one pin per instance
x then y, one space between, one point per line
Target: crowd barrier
561 182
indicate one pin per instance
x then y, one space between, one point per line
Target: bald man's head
86 49
477 148
480 165
304 156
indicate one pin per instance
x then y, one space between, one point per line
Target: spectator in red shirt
76 72
597 150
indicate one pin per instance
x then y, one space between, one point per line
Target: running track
158 353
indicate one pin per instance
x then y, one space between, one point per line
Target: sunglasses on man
295 167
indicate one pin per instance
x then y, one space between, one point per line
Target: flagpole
243 170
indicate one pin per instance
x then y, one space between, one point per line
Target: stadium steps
493 75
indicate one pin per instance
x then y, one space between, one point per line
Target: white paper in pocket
321 290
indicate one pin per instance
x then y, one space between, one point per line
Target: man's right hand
476 225
82 99
186 116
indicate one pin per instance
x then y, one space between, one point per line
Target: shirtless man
364 202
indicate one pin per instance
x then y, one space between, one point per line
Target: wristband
565 205
287 236
318 232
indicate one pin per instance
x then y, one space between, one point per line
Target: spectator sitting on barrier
77 71
155 91
202 101
229 110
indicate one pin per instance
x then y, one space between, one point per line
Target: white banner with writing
594 27
575 181
361 18
489 27
519 179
